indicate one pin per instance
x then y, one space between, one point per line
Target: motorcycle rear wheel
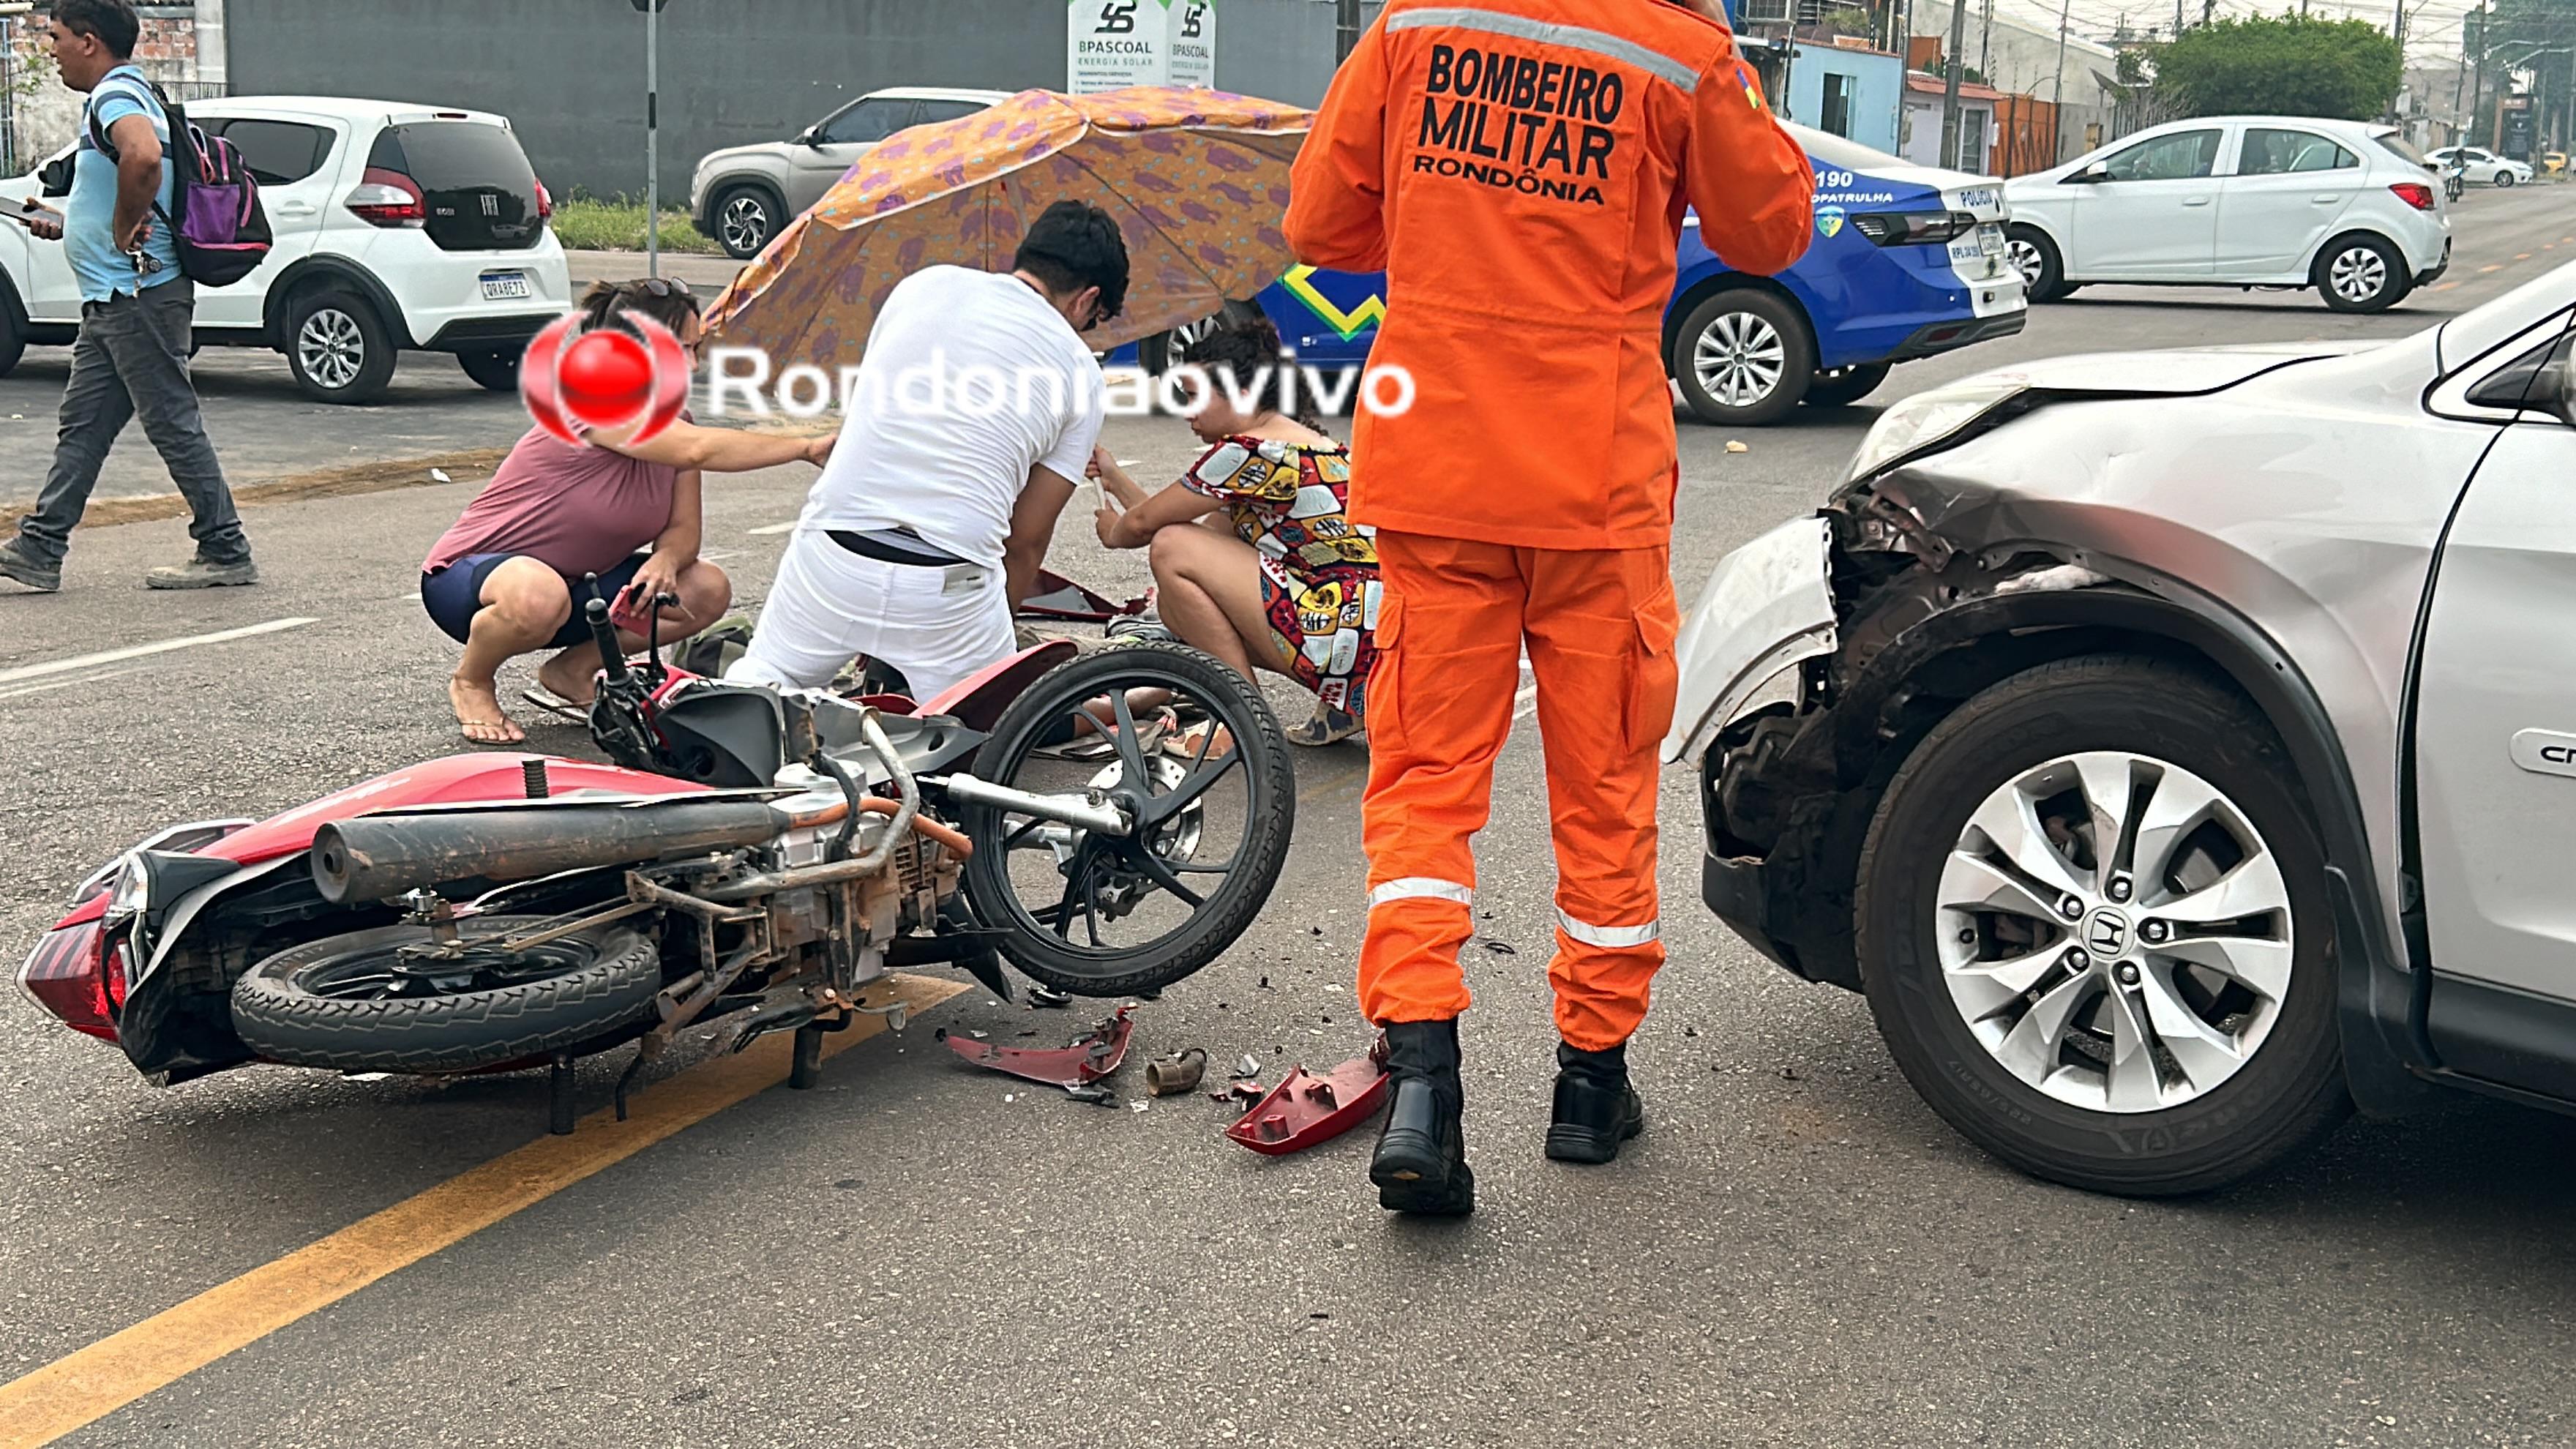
375 1001
1111 916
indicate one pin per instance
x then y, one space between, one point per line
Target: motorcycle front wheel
1193 753
394 1000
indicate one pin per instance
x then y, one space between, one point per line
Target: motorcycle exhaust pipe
378 857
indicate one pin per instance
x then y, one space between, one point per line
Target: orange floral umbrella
1197 180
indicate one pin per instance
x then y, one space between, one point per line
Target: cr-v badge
2545 752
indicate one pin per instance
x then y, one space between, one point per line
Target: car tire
13 337
1161 352
2022 1097
2361 273
2042 268
1836 387
2503 178
746 219
1743 358
495 368
338 348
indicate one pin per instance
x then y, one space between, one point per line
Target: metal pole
2057 94
1986 44
653 138
1950 127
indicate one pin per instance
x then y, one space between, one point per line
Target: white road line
68 683
720 555
139 651
1525 704
774 528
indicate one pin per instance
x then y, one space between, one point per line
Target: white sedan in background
2485 168
2345 207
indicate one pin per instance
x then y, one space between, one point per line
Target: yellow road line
88 1384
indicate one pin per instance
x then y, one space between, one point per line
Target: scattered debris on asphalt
1734 445
1180 1072
1086 1060
1243 1094
1096 1096
1501 948
1050 998
1248 1066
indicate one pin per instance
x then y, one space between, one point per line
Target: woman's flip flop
555 704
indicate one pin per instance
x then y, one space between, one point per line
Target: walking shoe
17 565
1596 1109
1420 1165
202 573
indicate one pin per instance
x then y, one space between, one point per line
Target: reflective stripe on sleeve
1421 887
1548 32
1611 938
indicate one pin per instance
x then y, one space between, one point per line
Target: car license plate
505 286
1990 239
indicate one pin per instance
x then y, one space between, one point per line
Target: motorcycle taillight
67 975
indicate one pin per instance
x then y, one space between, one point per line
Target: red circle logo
604 379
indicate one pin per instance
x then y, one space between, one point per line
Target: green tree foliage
2288 65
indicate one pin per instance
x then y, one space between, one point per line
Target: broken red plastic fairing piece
1307 1108
1086 1061
1061 598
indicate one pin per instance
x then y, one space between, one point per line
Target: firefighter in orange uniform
1519 169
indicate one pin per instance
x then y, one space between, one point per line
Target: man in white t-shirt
974 413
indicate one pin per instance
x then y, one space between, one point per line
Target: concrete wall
2022 58
1876 81
44 114
571 76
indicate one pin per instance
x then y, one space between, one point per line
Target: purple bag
221 232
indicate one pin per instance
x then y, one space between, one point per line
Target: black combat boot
1421 1160
1596 1109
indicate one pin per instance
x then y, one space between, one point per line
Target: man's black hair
110 22
1074 245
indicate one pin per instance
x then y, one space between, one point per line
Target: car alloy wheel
1180 339
1739 359
2115 932
331 347
743 225
2358 274
2026 259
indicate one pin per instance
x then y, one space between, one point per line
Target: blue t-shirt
89 226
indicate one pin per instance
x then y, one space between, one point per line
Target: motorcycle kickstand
805 1068
560 1106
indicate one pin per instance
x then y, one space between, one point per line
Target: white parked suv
2346 207
2484 167
744 195
397 226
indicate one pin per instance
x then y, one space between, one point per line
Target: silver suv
2171 746
744 195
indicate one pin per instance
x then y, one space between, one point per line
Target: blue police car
1907 261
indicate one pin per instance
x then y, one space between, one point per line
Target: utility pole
1950 126
2478 89
652 134
2057 97
1986 45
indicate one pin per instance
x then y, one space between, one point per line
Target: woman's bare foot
478 713
575 688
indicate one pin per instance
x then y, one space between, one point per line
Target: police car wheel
1836 387
1743 358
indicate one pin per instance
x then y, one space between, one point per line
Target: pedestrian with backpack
138 308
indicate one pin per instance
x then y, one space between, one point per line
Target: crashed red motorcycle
1109 822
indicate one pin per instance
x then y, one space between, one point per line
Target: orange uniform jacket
1519 169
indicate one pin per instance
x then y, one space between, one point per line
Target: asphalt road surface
1796 1253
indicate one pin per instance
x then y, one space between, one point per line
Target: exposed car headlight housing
1924 420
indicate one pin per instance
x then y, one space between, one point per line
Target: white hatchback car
2346 207
397 226
2484 168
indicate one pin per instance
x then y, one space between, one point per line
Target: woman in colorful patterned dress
1287 582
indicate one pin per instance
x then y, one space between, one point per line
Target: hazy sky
2433 27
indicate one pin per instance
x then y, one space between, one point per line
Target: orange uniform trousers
1599 625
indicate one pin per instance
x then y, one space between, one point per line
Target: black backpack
220 229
